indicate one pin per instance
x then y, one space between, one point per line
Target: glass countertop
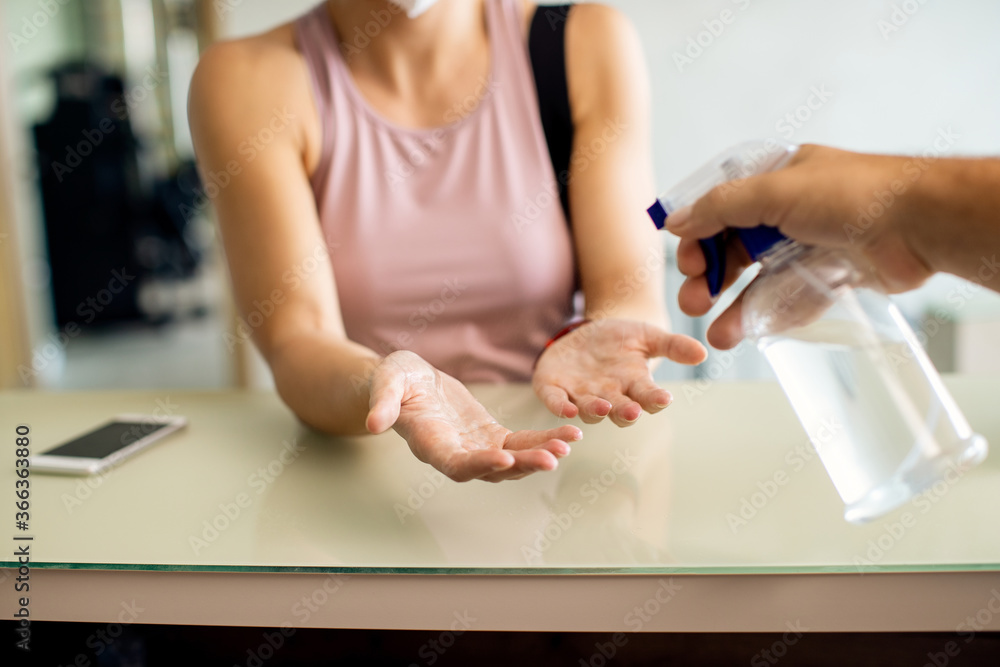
724 481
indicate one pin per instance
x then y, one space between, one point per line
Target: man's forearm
953 218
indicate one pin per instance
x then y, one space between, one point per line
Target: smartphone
106 446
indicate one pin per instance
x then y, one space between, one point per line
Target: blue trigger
756 240
714 249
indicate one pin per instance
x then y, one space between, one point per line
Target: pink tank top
450 242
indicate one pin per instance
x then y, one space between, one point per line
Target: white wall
247 17
889 94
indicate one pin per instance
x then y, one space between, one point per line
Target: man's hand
602 369
449 429
824 197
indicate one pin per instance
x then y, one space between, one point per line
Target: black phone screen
106 440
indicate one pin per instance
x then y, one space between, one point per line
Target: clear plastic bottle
871 401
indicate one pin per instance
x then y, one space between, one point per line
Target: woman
392 198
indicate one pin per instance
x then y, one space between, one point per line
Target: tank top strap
507 23
512 73
315 37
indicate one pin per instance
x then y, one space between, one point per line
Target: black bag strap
547 49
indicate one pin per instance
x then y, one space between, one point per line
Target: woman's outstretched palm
601 369
446 427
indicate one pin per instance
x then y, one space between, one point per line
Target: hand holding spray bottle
845 357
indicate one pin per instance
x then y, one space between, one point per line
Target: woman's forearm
324 381
636 311
635 293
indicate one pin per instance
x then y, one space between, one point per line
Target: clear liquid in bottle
873 406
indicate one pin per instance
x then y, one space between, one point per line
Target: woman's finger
526 463
557 401
677 347
464 465
555 440
388 386
592 408
624 411
644 391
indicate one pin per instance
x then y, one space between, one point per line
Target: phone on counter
106 446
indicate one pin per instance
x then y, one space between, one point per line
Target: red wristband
562 332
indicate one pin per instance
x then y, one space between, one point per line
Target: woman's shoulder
271 57
240 84
607 25
594 32
603 56
591 18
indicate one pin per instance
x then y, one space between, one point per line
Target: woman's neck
380 40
